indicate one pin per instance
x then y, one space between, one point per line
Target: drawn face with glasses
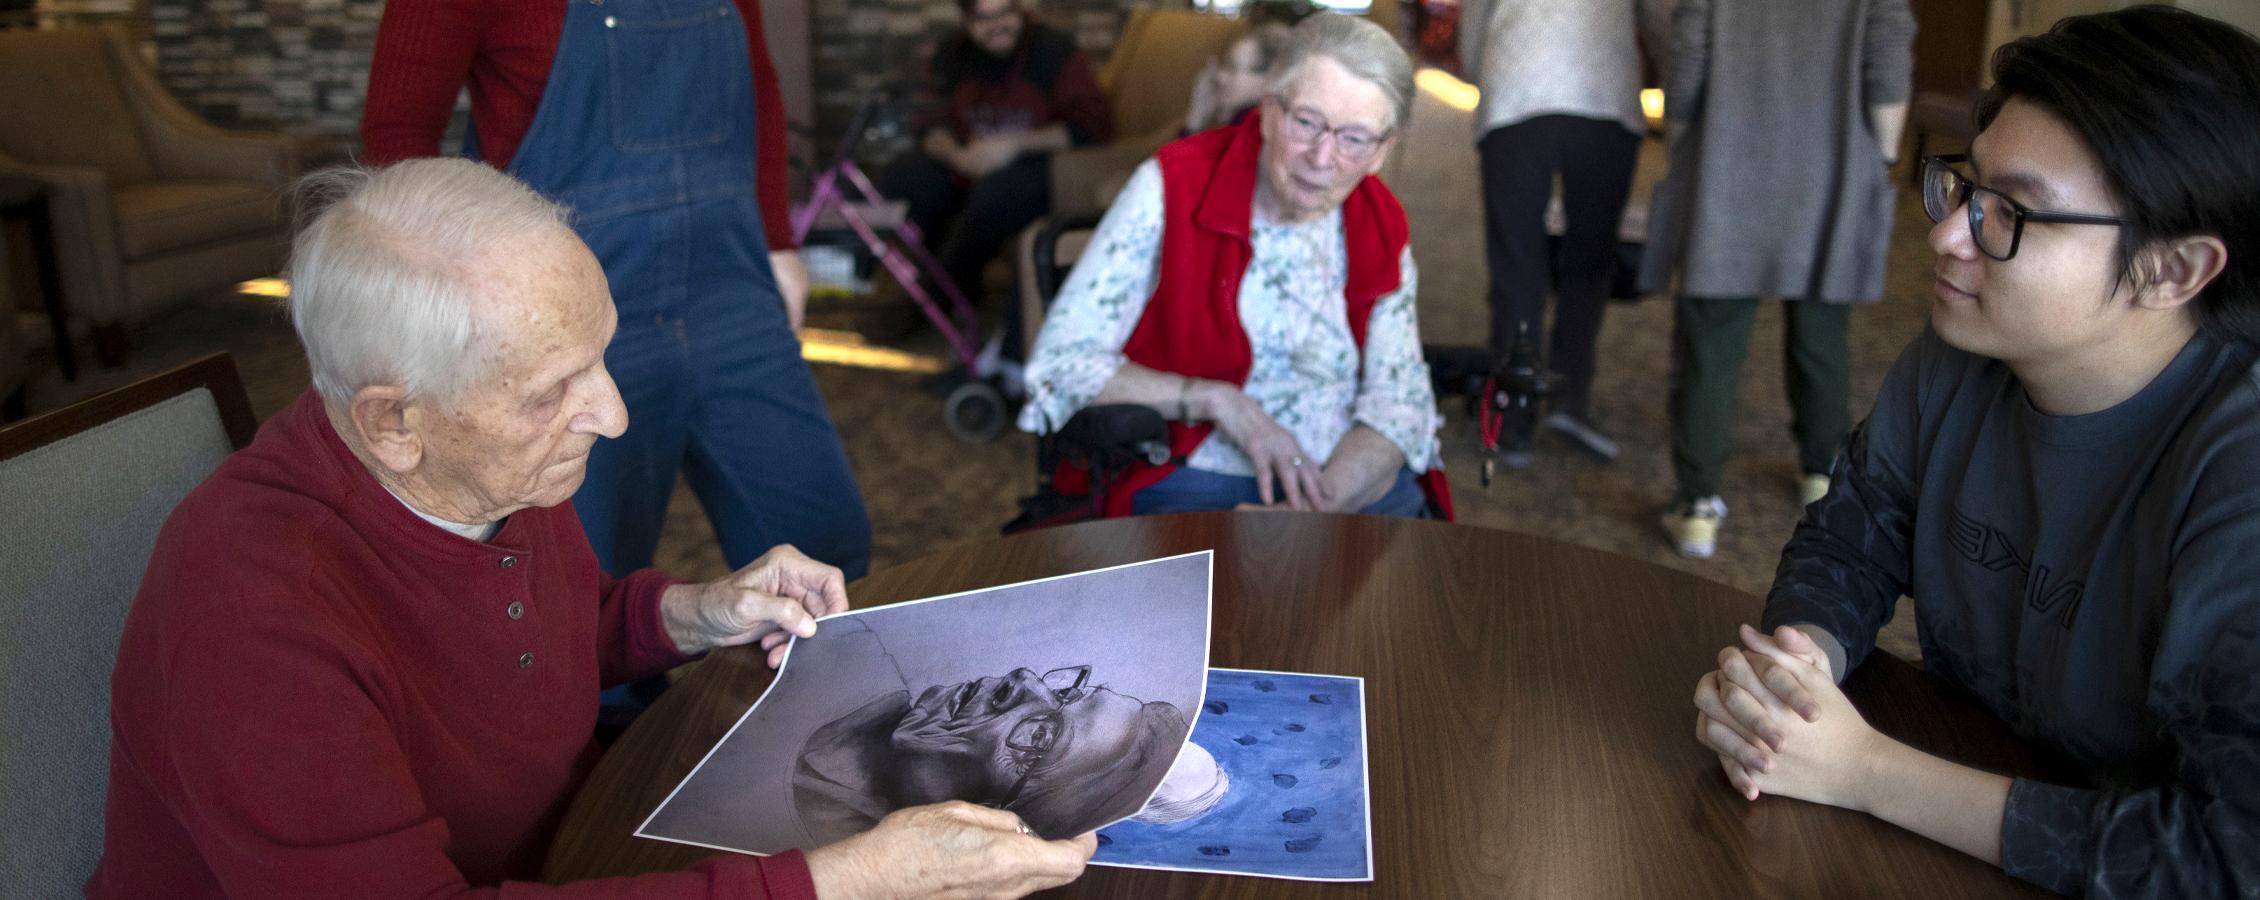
993 738
1322 135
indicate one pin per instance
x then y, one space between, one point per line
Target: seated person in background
2064 473
366 652
1255 281
1012 91
1231 85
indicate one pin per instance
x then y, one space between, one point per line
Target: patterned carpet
927 491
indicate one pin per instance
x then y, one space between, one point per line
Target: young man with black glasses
2064 473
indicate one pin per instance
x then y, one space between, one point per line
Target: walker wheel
974 412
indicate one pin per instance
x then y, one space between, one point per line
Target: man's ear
387 426
2178 270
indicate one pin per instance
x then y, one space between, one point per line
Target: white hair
1195 784
385 267
1358 45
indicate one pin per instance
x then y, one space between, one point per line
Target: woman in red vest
1254 284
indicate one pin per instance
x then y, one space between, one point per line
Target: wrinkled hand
770 600
953 850
984 155
792 284
1279 459
1779 723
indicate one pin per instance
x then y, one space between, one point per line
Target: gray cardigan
1777 187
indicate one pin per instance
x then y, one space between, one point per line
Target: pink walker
974 409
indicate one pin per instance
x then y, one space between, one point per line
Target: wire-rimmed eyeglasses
1032 739
1306 128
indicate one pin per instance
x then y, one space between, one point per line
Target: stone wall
298 65
302 65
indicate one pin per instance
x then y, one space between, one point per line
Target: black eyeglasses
1032 739
1997 223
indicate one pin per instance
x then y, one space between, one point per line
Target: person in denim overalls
645 128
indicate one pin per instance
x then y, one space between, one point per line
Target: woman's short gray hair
1356 44
385 266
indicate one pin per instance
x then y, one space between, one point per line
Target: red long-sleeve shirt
320 694
427 49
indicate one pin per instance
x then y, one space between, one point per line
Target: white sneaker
1694 528
1811 486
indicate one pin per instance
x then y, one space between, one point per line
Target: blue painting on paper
1293 746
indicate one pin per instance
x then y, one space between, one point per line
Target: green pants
1713 336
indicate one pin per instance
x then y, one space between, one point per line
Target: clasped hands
773 598
1779 723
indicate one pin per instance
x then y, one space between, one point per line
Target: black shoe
1514 448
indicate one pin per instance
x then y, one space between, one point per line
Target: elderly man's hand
779 595
946 850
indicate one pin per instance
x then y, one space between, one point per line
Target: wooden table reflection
1530 732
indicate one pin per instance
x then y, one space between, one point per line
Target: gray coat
1777 186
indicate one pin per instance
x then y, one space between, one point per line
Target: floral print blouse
1307 374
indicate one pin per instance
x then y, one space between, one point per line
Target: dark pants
987 212
1594 158
1713 336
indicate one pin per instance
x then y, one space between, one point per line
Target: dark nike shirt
2094 580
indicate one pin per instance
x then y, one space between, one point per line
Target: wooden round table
1529 723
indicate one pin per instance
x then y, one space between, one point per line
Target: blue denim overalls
646 131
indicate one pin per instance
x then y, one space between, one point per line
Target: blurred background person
1255 285
1560 82
1011 91
1231 85
1784 117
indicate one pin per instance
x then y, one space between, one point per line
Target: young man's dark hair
2169 101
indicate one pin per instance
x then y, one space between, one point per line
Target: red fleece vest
1191 325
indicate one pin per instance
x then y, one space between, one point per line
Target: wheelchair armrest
1050 275
1116 432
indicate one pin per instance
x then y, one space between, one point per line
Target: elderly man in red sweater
365 656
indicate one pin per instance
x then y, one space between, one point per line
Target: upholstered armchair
1149 81
151 205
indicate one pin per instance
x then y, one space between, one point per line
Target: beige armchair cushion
1149 82
62 104
172 215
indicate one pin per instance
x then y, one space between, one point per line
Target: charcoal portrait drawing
1066 701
